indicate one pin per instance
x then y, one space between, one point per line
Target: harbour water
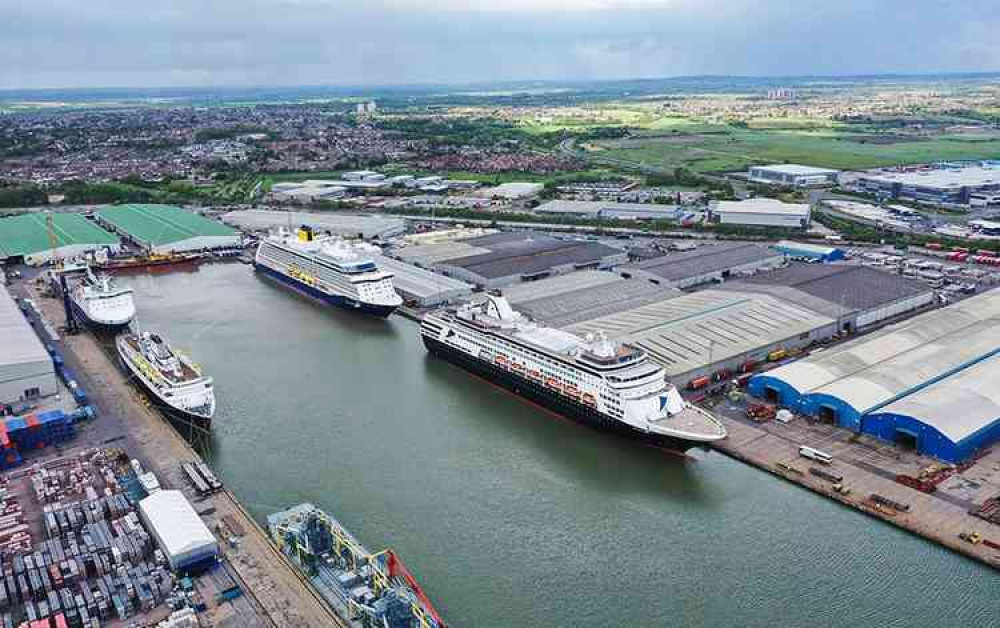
510 516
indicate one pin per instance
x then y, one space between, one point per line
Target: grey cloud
77 43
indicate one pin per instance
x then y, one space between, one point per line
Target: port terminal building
29 239
792 175
26 369
707 263
761 212
928 383
164 229
345 225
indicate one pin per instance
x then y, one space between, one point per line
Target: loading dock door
828 414
906 438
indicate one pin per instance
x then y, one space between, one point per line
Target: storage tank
184 538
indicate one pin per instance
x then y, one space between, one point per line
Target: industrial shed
423 287
807 251
712 332
528 260
704 264
167 229
26 238
610 209
857 296
26 370
928 383
346 225
761 212
184 538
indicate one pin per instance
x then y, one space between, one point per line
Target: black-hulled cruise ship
608 385
330 269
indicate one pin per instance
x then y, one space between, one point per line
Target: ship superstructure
606 384
329 268
175 382
100 302
363 588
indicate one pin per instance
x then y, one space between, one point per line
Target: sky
205 43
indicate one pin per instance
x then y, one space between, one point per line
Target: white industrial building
939 184
763 212
26 370
180 533
610 209
792 175
716 262
512 191
347 225
421 287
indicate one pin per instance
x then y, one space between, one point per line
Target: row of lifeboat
568 390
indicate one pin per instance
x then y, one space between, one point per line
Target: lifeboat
533 374
589 399
553 383
572 391
501 359
518 368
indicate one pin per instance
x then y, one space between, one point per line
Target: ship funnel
305 233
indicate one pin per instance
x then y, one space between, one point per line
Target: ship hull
154 396
97 325
336 300
538 393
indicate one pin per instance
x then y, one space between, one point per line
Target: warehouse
512 191
926 384
26 370
581 296
713 334
809 252
528 260
346 225
707 263
761 212
166 229
611 210
420 287
857 296
932 184
27 238
180 533
793 175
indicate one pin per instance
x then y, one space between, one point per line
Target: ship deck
694 422
188 374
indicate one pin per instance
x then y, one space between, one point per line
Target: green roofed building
26 238
167 229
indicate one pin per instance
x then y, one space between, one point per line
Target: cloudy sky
118 43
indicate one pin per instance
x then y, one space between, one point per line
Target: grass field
842 148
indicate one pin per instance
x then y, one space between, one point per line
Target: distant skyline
186 43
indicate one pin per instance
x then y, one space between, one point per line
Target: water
511 517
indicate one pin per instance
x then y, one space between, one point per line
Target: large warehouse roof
28 234
897 361
19 341
424 286
706 260
939 178
156 225
693 330
851 287
177 527
552 286
533 257
428 254
762 205
567 308
341 224
609 208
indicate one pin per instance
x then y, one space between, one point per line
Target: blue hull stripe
329 299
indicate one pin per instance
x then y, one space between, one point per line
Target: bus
815 454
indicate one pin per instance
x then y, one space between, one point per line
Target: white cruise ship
330 269
100 302
175 382
597 382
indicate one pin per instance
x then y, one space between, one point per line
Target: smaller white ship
174 381
99 302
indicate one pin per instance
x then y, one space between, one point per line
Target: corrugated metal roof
876 369
18 342
340 224
418 282
533 256
156 225
691 331
705 260
592 302
29 233
552 286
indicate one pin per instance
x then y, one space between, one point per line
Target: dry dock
277 594
868 467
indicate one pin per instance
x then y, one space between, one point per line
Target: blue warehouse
930 383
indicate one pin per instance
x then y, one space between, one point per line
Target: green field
842 148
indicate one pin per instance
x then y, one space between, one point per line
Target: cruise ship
100 303
174 381
608 385
330 269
